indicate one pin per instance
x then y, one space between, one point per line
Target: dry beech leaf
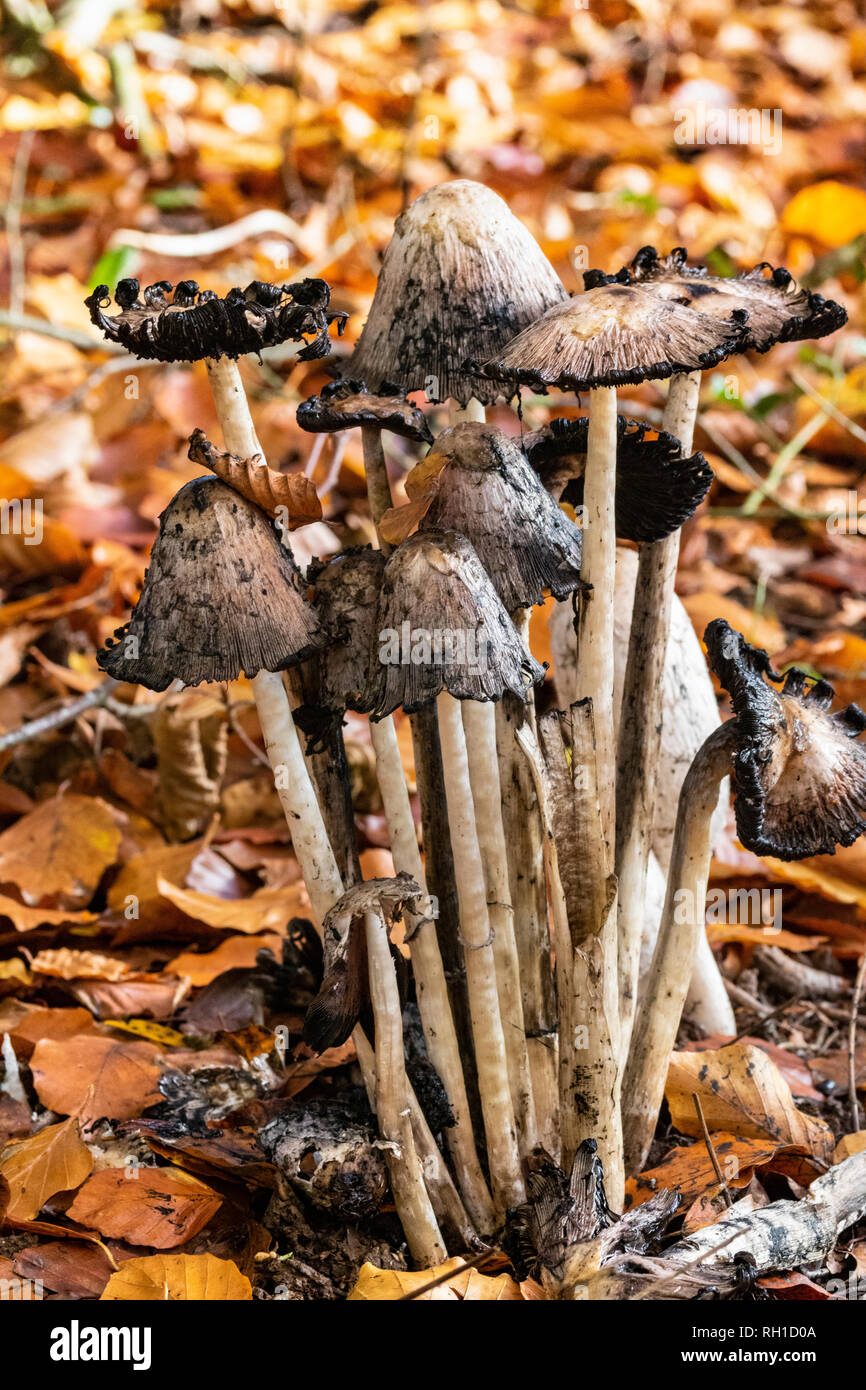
54 1160
267 910
72 1269
702 608
850 1144
689 1168
178 1278
161 1207
29 918
91 1076
108 999
60 851
237 952
66 964
741 1092
48 1023
833 213
387 1285
399 522
291 497
718 933
191 742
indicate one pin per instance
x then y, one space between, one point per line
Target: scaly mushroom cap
443 627
221 596
481 485
614 335
460 277
779 311
344 404
346 592
194 324
799 779
657 490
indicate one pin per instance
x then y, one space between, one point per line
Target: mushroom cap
221 595
461 276
615 335
443 627
657 490
346 592
486 490
799 778
344 404
196 323
779 310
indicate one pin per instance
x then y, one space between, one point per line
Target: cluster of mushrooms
525 916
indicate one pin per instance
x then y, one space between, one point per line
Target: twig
765 1018
100 695
711 1151
827 406
792 449
852 1046
26 323
236 728
17 190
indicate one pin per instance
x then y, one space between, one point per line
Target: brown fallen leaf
66 964
850 1144
158 996
835 1067
689 1168
795 1071
48 1023
237 952
291 497
388 1285
178 1278
54 1160
91 1076
235 1154
72 1269
161 1207
59 852
742 1092
267 910
792 1287
190 735
29 918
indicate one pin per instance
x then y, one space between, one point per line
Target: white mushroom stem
641 716
376 471
490 1054
681 928
430 983
319 866
389 1086
479 726
473 412
598 568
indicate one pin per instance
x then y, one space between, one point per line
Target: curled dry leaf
191 741
178 1278
29 918
73 1269
59 852
158 996
161 1207
236 953
267 910
66 964
743 1092
465 1285
290 497
54 1160
91 1076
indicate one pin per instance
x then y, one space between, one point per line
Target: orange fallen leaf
48 1023
237 952
91 1076
702 608
60 851
266 910
161 1207
388 1285
178 1278
689 1168
29 918
54 1160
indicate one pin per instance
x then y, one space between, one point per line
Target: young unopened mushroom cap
443 627
221 596
346 592
344 404
799 778
484 488
779 310
194 324
657 490
461 276
613 335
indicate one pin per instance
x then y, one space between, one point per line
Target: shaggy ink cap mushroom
337 1007
343 405
779 310
443 627
799 777
479 483
221 595
461 276
615 335
657 490
191 324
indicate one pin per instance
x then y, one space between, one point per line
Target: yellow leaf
54 1160
147 1028
375 1285
178 1279
831 212
850 1144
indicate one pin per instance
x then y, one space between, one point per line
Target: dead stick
852 1046
711 1151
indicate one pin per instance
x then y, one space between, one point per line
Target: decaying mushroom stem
479 725
430 982
490 1054
681 927
641 715
595 638
376 472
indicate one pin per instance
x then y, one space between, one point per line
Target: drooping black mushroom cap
779 310
193 324
344 404
657 490
614 335
221 595
337 1007
486 490
461 276
799 778
443 627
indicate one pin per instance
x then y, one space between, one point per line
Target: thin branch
468 1263
26 323
723 1186
852 1046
